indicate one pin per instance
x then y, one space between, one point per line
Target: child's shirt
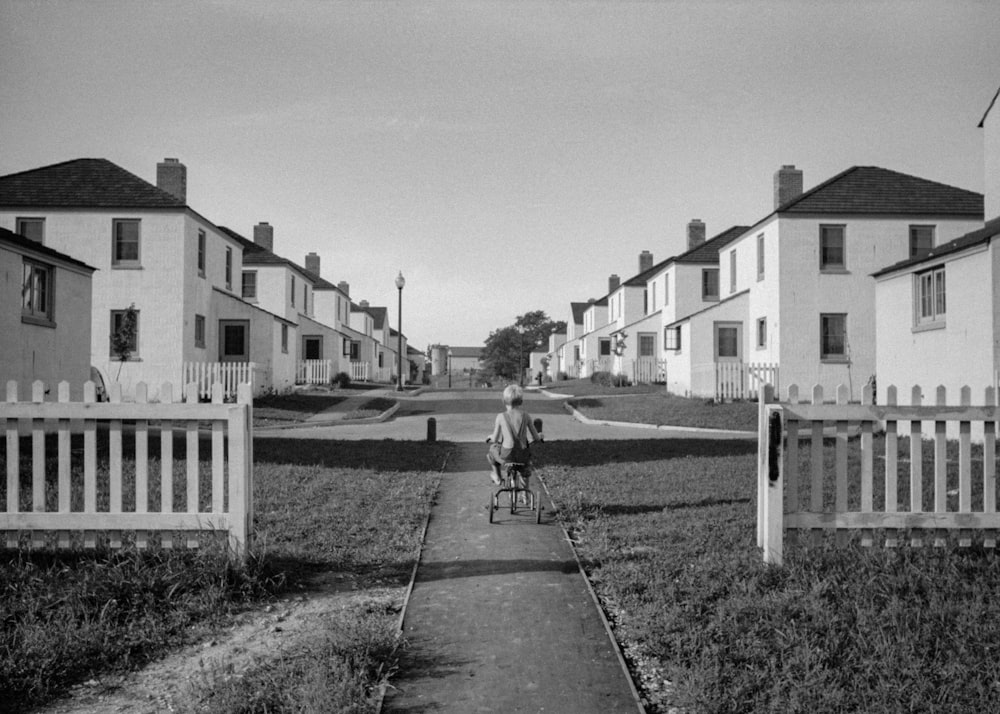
504 433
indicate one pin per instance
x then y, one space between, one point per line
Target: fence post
774 528
765 396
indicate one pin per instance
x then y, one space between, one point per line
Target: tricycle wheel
538 511
492 507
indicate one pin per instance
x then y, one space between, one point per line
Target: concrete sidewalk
500 619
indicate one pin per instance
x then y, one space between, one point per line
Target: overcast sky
505 156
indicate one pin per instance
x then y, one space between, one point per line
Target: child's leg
495 466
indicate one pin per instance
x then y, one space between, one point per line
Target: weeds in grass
669 540
341 669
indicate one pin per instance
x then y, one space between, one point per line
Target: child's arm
497 435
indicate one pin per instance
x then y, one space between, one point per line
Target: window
125 237
666 289
604 346
355 350
672 338
762 332
760 257
931 297
654 296
727 342
284 339
647 344
347 347
250 284
199 331
833 336
117 317
201 253
710 284
732 271
381 360
293 291
31 228
305 298
229 268
921 240
832 251
645 302
36 292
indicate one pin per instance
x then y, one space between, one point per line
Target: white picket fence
360 372
853 506
101 493
314 371
207 374
743 380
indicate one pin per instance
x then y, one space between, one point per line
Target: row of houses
86 243
870 276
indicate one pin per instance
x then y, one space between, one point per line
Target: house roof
982 235
578 308
873 190
255 254
989 109
83 183
708 251
380 316
20 241
466 352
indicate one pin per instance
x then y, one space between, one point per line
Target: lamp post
520 355
400 282
449 368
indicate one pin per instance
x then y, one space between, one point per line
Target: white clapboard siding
125 424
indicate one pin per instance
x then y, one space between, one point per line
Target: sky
504 156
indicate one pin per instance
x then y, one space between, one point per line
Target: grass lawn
667 532
277 409
661 408
350 509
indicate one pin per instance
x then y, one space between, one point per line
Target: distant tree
508 349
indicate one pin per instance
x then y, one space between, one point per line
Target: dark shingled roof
708 252
983 235
872 190
82 183
28 244
254 254
578 308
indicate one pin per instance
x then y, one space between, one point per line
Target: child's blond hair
513 395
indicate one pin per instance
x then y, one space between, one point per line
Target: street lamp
520 355
400 282
449 368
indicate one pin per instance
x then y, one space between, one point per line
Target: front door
234 340
312 347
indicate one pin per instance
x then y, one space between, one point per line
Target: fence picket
89 464
940 465
218 455
166 464
867 488
141 463
13 465
38 463
989 471
792 484
191 461
816 461
115 465
64 485
891 468
916 466
840 500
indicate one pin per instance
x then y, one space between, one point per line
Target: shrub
342 380
620 380
562 376
601 378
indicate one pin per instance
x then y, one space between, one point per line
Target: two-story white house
154 252
564 357
45 306
796 289
937 314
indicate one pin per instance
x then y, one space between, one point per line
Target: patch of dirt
166 685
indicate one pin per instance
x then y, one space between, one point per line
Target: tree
123 339
508 349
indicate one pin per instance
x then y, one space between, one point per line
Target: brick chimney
171 176
645 261
312 263
263 235
787 184
696 233
345 287
613 282
363 304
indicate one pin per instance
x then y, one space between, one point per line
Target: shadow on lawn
595 453
380 455
475 568
632 509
